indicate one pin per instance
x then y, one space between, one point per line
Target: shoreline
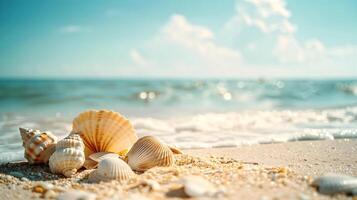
261 171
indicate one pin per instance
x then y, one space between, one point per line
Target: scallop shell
39 146
69 156
111 168
333 183
104 131
149 152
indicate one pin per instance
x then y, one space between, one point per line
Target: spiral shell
69 156
111 168
39 146
104 131
149 152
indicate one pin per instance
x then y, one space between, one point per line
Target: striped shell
333 183
69 156
149 152
39 146
104 131
111 168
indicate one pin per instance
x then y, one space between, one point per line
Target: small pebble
24 179
196 186
50 194
76 195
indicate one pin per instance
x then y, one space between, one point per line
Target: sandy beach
268 171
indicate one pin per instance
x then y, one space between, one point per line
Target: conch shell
104 131
149 152
111 168
39 146
69 156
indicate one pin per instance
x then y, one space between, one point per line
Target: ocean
184 112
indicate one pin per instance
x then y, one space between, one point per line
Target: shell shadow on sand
24 171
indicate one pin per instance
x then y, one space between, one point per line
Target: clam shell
334 183
111 169
39 146
69 156
149 152
104 131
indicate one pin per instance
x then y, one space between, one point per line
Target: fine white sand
270 171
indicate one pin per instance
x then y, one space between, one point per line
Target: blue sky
244 38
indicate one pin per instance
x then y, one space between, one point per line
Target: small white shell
39 146
111 168
333 183
92 161
149 152
99 156
196 186
69 156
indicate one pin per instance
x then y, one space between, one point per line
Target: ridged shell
69 156
111 169
333 183
93 160
104 131
149 152
39 146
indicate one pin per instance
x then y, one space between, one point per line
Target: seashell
149 152
175 150
334 183
77 195
94 159
99 156
197 186
104 131
69 155
111 169
39 146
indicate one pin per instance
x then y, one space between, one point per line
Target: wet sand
269 171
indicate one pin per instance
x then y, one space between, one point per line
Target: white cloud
289 49
198 39
268 8
266 15
273 49
74 29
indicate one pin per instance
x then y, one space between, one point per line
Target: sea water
186 113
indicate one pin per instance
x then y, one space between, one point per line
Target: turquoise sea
184 112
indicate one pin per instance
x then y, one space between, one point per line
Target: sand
269 171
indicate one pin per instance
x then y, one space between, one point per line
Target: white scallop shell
149 152
334 183
104 131
39 146
111 168
69 156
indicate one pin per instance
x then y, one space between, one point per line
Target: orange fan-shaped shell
104 131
